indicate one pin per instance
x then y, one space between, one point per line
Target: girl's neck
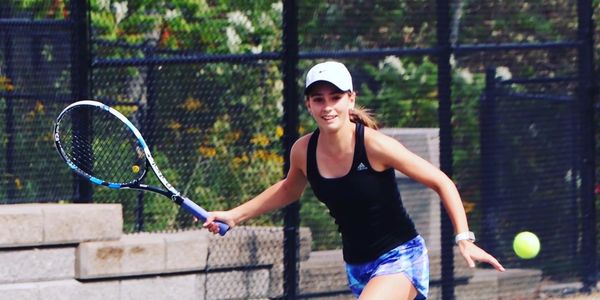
339 141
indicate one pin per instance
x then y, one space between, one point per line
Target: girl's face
329 106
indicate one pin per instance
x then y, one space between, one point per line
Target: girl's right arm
276 196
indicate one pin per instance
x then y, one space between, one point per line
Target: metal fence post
444 82
585 105
80 73
487 131
9 130
291 120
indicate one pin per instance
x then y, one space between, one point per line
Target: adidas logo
361 167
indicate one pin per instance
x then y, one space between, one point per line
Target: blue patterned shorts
409 258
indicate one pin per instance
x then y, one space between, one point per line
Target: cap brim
308 89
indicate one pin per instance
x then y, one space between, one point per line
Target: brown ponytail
362 115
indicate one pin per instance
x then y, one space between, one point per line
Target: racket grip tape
201 214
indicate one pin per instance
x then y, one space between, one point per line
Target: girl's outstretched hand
472 253
222 216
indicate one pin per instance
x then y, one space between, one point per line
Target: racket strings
101 145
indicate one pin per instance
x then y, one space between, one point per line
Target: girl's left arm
385 152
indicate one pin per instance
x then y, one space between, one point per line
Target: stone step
250 284
28 225
181 287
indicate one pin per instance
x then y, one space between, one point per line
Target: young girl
350 167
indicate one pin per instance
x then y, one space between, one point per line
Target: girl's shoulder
300 146
299 152
377 140
381 148
302 142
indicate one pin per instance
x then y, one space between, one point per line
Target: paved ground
568 292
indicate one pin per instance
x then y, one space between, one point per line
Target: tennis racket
103 146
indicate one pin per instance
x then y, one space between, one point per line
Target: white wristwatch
467 235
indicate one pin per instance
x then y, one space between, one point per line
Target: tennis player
350 167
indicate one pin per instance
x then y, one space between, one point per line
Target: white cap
331 71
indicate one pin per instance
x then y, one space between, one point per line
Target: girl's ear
352 99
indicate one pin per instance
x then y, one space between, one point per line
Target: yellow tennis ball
526 245
135 168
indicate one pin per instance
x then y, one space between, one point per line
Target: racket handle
201 214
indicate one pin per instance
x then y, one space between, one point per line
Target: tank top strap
360 153
311 155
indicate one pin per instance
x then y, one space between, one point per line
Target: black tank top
365 204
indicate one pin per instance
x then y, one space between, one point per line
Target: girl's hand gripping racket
102 145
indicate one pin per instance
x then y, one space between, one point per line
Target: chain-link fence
216 89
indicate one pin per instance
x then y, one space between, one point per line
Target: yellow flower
193 130
469 206
5 84
277 158
239 160
192 104
261 154
126 110
279 131
39 106
260 140
207 151
233 136
268 156
18 184
174 125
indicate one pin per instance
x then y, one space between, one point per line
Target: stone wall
78 251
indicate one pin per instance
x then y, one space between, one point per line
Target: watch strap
467 235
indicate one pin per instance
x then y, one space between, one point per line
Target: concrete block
21 225
26 265
143 254
461 269
425 142
246 245
519 283
248 284
324 271
131 255
24 225
75 290
186 250
423 207
74 223
184 287
251 245
19 291
477 288
276 281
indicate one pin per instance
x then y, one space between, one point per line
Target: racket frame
170 191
